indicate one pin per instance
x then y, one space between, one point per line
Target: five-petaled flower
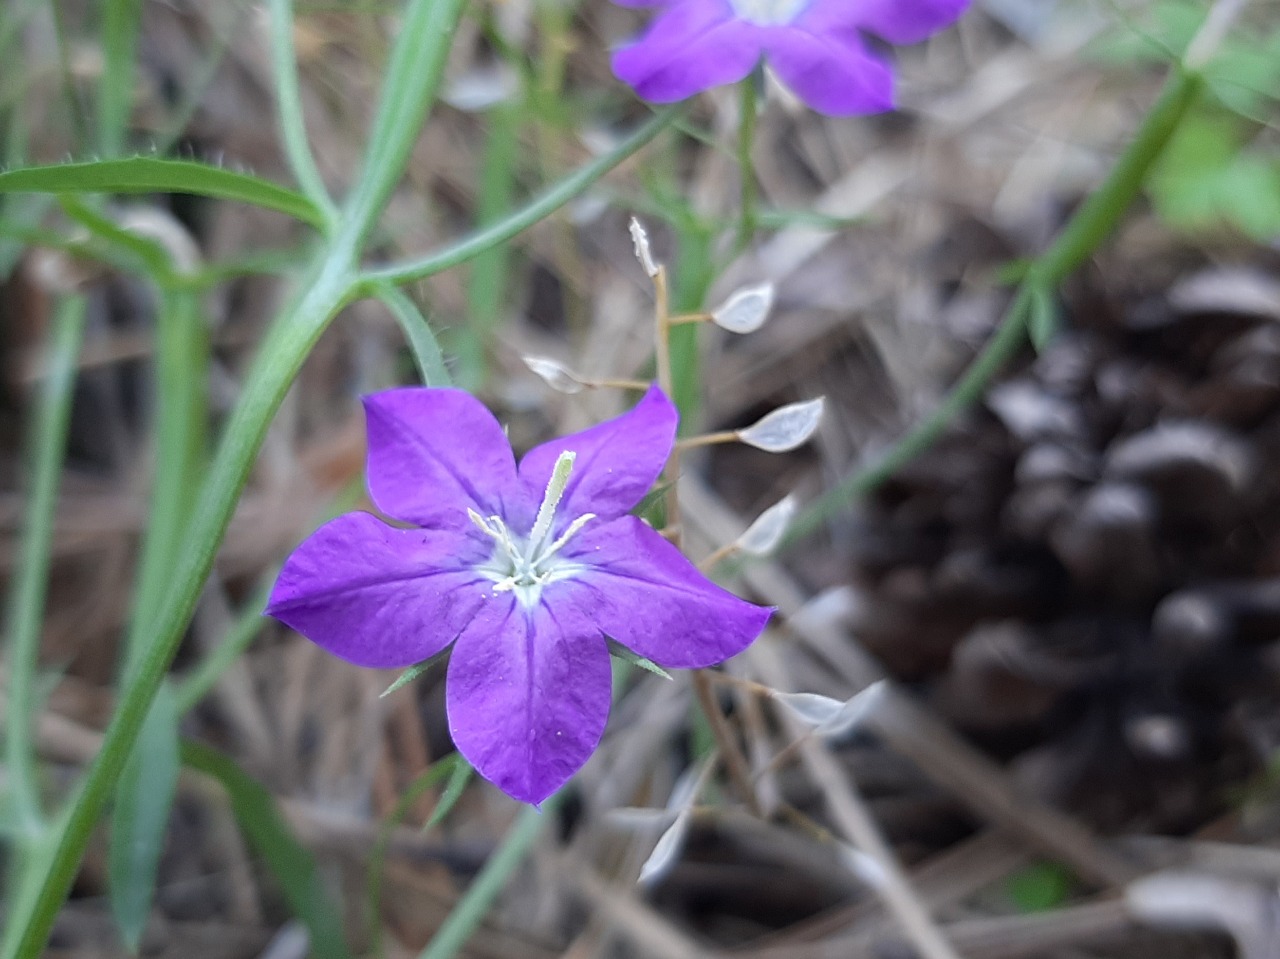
524 570
818 48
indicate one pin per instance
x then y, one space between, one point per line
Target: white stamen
551 499
576 525
525 566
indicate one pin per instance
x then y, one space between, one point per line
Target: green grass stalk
48 441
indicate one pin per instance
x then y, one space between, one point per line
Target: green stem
746 164
48 439
293 129
539 208
1095 220
467 914
120 22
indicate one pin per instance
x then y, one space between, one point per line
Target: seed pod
746 310
785 428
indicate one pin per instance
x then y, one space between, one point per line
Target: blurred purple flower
816 47
524 571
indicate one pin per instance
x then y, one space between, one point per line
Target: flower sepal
412 673
622 654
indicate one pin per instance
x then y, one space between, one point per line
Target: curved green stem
474 904
543 205
1092 223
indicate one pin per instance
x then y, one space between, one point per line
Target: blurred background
1075 589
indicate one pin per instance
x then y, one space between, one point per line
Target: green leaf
1042 318
154 175
1209 178
290 863
140 818
429 777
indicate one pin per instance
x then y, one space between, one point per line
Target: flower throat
524 566
768 13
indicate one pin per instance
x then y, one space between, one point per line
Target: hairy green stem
537 209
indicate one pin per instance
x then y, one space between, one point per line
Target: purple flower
817 47
524 570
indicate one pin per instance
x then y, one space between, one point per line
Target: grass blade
140 818
48 439
120 21
290 863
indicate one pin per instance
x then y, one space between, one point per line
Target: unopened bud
643 253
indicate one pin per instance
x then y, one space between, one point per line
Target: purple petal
617 461
528 696
643 592
905 21
834 75
379 596
691 46
434 453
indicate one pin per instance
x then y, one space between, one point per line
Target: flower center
525 565
768 13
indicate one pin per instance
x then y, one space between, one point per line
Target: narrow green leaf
405 678
429 777
290 863
140 817
154 175
1042 316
